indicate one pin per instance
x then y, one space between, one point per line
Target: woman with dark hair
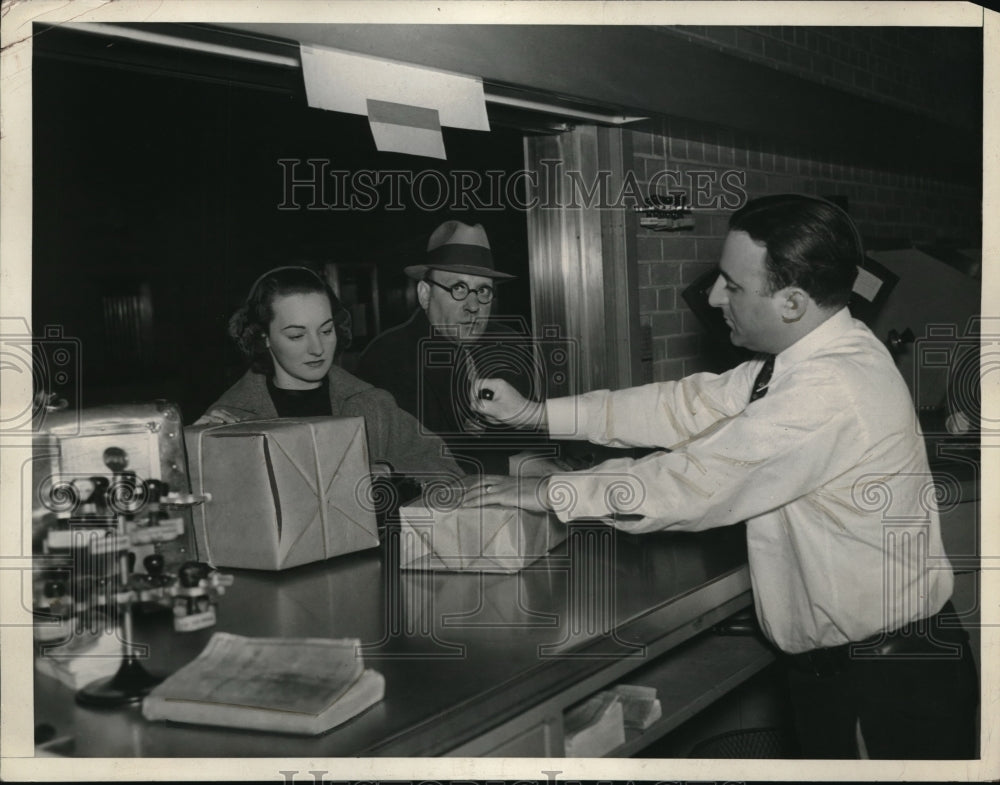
291 328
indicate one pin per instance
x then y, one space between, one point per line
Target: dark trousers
914 692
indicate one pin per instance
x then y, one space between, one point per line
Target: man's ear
423 294
794 305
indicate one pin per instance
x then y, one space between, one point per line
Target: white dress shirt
828 470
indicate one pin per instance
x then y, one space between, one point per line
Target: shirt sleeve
782 447
653 415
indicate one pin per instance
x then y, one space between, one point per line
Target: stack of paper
304 685
594 727
641 706
83 658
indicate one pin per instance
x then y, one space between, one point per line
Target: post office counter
475 664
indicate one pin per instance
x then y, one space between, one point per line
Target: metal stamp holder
95 529
132 681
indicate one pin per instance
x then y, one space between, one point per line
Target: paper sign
344 82
867 285
401 128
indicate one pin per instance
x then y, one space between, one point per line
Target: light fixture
494 96
151 37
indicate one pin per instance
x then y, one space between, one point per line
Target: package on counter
475 599
437 534
284 492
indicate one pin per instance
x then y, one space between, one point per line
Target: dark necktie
467 378
763 379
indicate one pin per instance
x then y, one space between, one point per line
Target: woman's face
301 339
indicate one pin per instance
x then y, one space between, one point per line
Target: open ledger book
288 685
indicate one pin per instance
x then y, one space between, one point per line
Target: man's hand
217 416
531 493
499 403
473 425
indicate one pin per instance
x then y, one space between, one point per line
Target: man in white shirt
815 445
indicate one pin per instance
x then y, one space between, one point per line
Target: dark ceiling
625 69
640 70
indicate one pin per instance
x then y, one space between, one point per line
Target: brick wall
889 208
931 71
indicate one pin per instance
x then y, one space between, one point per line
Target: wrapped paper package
436 534
486 600
284 492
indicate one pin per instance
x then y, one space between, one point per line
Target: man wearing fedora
430 361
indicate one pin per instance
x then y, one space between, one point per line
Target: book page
302 675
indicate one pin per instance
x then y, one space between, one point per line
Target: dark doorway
160 195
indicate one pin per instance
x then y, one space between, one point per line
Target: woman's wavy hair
811 243
249 325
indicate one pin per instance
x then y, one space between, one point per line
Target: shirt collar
808 344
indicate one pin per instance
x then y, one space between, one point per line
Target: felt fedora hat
458 248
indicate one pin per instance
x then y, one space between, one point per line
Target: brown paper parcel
486 539
487 601
284 492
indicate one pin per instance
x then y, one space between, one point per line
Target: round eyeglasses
459 291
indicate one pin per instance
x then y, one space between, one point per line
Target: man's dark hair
811 243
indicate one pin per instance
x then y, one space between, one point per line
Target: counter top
461 653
